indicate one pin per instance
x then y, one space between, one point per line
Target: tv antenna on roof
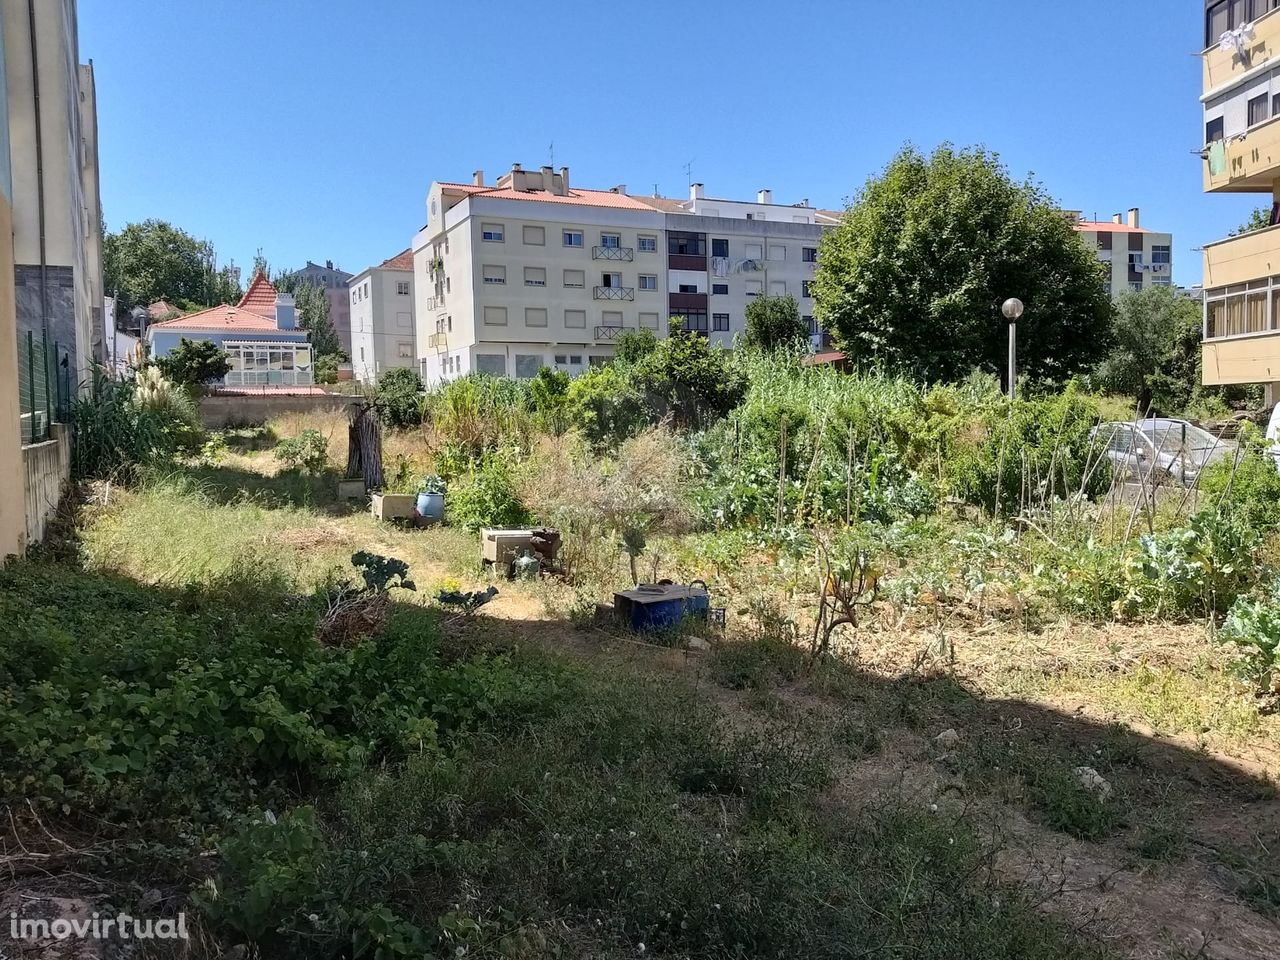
688 172
552 151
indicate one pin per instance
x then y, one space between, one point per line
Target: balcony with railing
1224 64
437 341
1248 164
614 293
623 254
609 332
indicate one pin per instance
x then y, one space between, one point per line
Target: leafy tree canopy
775 322
686 378
914 276
155 260
1258 220
193 363
1155 350
312 304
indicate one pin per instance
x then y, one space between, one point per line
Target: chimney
328 264
547 174
564 177
619 189
695 191
1116 218
804 202
764 196
1134 221
477 178
515 168
286 315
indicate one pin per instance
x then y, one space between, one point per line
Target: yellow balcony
1224 67
1252 256
1252 162
1245 359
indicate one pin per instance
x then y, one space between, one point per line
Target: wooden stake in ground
364 445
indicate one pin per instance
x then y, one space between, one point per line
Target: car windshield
1174 437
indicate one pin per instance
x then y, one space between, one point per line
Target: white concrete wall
382 327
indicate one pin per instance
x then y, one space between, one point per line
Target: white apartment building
1137 258
533 272
381 309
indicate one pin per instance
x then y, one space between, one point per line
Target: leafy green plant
432 483
467 602
120 427
486 497
194 363
1252 631
308 452
397 397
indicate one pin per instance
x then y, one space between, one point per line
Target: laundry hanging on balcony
1217 158
721 266
748 266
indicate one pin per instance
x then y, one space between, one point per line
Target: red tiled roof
401 261
225 317
1105 226
260 298
161 309
833 356
581 198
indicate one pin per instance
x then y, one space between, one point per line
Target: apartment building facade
57 215
382 327
336 283
1135 258
534 272
1241 100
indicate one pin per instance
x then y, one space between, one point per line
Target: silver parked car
1160 447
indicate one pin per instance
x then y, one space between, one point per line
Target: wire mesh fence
44 385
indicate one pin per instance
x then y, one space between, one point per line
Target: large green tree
313 311
775 322
155 260
913 277
1155 350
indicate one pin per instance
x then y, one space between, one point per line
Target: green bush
193 363
326 368
119 428
486 496
1248 483
398 397
308 452
1252 630
605 405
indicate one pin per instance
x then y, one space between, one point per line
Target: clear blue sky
312 128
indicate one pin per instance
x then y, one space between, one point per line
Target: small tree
398 397
774 323
1259 219
194 363
1156 343
634 345
684 377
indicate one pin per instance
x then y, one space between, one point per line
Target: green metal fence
44 385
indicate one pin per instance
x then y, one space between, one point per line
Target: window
777 251
535 316
1228 14
402 288
688 288
1135 286
366 289
806 288
754 288
561 359
611 318
684 244
1241 308
648 281
494 364
811 324
495 316
1162 281
527 366
535 276
405 350
720 322
694 320
1161 254
1259 109
610 241
649 321
492 232
755 251
495 273
575 319
1213 130
810 255
1275 105
719 247
1135 260
777 288
647 244
534 236
611 280
575 359
573 238
575 278
720 289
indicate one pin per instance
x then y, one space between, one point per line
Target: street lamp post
1012 310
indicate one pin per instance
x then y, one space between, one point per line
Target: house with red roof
1133 257
382 322
260 334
